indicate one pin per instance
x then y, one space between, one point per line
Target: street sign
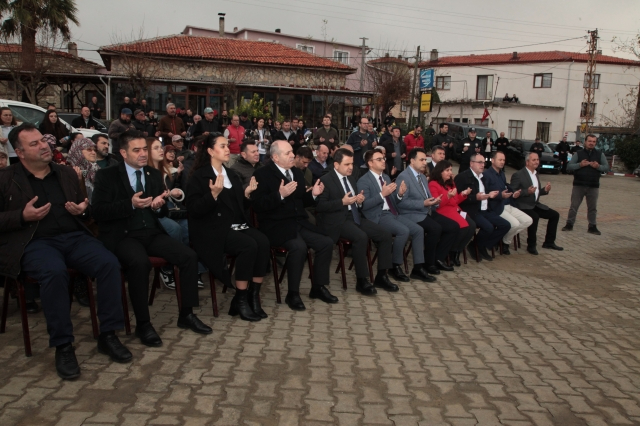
425 102
426 79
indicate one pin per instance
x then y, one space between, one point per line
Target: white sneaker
200 282
168 279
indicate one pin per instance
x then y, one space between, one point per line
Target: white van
29 113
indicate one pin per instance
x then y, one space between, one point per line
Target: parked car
637 171
553 146
517 150
70 116
34 114
459 131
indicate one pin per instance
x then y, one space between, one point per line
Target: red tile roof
16 48
523 58
193 47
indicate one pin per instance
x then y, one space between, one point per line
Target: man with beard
171 125
104 159
117 128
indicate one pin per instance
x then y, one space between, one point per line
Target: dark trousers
297 257
564 161
359 236
440 235
251 248
577 194
46 260
134 252
552 226
464 236
492 228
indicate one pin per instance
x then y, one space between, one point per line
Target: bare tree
390 81
629 104
229 76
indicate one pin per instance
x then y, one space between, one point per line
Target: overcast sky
456 27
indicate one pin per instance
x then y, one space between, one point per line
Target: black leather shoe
398 274
254 300
421 274
443 266
294 302
32 306
67 363
484 254
365 287
193 323
593 230
432 269
505 249
568 227
322 293
552 246
454 256
382 281
240 306
109 344
148 336
81 294
532 250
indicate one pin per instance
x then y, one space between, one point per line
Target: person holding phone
418 205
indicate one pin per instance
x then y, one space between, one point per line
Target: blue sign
426 79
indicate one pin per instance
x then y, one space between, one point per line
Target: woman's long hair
162 166
203 158
436 174
58 129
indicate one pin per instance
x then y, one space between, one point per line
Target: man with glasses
361 141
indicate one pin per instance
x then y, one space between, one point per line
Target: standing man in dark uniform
502 143
444 140
537 147
563 153
470 147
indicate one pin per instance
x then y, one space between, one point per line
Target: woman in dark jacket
52 125
217 207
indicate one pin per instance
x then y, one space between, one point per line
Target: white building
548 85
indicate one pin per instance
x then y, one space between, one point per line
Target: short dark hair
14 135
305 152
416 126
396 127
327 116
591 135
286 121
436 174
414 153
73 135
128 136
339 155
495 154
245 144
95 138
244 114
368 156
442 125
436 148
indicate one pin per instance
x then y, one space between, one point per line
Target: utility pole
589 89
413 88
363 62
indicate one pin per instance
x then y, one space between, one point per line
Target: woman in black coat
218 225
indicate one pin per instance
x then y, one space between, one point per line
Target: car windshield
526 146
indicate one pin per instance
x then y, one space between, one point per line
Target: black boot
454 257
254 299
240 306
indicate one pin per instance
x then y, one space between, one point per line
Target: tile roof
194 47
524 58
16 48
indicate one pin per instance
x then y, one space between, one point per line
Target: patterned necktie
288 176
139 187
388 199
421 186
354 210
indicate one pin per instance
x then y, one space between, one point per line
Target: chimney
221 25
434 55
598 52
515 55
73 48
399 56
235 29
278 30
386 55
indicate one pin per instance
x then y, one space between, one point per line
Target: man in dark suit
127 200
396 152
338 214
437 155
280 202
42 210
492 226
322 163
85 120
470 147
527 181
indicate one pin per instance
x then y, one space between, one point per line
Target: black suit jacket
330 212
111 203
279 219
466 180
79 123
388 146
210 220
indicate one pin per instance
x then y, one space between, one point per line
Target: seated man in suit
42 210
417 206
127 200
380 206
437 155
527 181
280 202
321 164
492 226
338 215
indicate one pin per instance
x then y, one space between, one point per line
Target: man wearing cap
140 122
117 128
181 153
207 125
470 147
170 125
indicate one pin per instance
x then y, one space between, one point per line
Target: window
583 110
341 56
403 106
481 122
27 115
515 129
542 81
542 131
484 87
595 83
305 48
443 83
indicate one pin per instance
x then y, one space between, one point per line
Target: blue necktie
354 210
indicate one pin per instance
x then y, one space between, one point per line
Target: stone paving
550 339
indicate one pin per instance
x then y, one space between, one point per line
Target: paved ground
552 339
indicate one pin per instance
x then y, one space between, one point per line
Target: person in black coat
396 153
537 147
127 200
563 154
85 120
218 225
280 202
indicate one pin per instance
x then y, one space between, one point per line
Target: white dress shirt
534 179
353 193
385 205
227 181
484 203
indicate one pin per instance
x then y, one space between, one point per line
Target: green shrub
628 150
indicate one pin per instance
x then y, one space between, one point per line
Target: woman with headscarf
82 157
58 158
53 126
